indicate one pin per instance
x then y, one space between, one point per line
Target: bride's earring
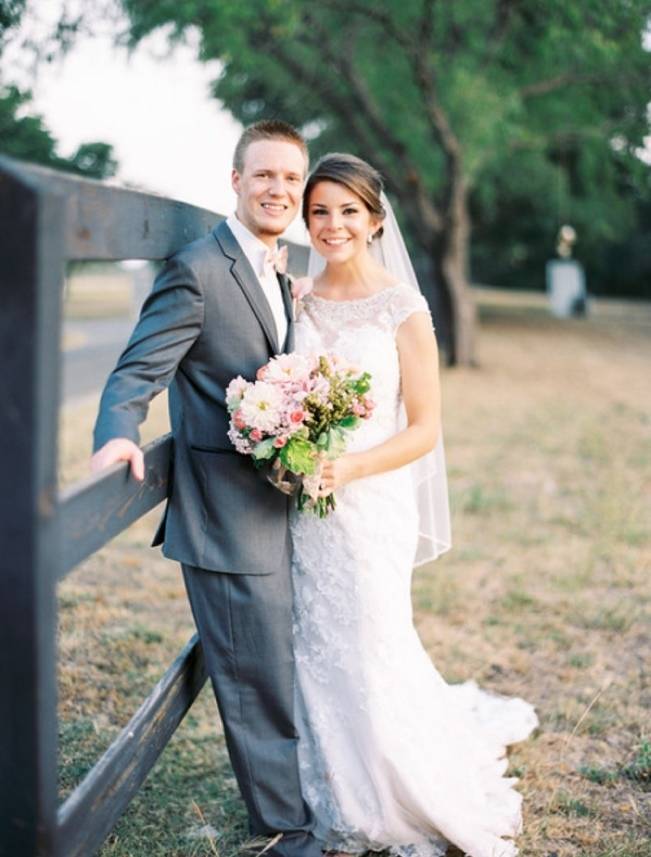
369 238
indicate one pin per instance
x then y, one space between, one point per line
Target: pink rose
297 416
359 410
238 420
302 286
256 435
279 442
260 374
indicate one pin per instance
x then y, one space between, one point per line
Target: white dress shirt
257 252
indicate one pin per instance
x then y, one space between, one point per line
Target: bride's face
339 222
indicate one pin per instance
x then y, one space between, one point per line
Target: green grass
639 769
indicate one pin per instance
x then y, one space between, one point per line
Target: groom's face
269 187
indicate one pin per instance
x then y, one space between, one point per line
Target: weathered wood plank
92 512
91 811
102 221
31 278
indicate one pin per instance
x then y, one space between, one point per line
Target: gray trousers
245 626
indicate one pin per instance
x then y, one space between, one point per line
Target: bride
391 756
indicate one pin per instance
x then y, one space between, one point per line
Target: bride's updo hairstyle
353 173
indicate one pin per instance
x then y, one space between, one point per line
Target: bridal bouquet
297 412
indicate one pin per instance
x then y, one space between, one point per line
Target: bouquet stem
321 506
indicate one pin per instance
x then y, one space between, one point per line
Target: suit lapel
285 288
246 279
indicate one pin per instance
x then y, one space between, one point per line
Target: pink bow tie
277 259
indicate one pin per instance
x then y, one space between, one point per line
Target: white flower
235 391
262 406
288 367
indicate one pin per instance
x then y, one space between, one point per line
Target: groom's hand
120 449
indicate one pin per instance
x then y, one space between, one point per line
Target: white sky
169 135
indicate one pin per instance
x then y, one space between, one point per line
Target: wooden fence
47 219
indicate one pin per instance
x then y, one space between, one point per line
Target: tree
436 95
25 136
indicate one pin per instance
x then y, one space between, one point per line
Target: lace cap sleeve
406 301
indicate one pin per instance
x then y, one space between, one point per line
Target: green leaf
336 442
349 422
299 456
362 384
264 449
323 441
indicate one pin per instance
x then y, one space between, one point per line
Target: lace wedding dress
391 756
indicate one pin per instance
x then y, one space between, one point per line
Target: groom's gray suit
206 321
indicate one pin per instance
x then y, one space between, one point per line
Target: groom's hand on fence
120 449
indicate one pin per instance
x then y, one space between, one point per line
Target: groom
219 309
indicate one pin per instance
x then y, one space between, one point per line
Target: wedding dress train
391 756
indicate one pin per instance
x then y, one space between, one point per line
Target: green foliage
333 442
362 384
601 776
10 12
639 769
264 450
25 136
298 455
545 102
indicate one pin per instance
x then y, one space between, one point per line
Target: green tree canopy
521 113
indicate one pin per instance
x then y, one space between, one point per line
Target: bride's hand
337 472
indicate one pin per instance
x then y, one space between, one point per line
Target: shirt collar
253 248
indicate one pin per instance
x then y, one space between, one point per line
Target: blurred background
514 137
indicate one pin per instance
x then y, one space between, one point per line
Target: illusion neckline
354 300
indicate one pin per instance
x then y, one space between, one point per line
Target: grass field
545 595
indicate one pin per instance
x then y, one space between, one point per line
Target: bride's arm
419 374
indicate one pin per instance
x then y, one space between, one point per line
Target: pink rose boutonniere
300 287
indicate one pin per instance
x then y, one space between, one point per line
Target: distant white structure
566 278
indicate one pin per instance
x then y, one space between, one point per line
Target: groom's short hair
267 129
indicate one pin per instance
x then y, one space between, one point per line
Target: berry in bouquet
298 411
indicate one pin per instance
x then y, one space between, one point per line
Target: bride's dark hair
353 173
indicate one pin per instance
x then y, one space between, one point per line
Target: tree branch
406 181
416 51
544 87
501 26
425 78
562 138
426 28
381 18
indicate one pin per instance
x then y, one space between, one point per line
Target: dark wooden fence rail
47 219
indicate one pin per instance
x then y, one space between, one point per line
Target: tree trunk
452 251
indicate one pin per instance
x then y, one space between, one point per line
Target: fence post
31 277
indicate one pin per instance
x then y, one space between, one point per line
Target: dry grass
545 595
106 293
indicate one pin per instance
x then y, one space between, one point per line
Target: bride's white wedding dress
391 756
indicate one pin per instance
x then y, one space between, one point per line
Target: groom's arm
170 322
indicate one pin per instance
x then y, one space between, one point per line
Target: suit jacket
205 321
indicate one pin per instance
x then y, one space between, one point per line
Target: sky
169 135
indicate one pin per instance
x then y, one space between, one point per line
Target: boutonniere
299 287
